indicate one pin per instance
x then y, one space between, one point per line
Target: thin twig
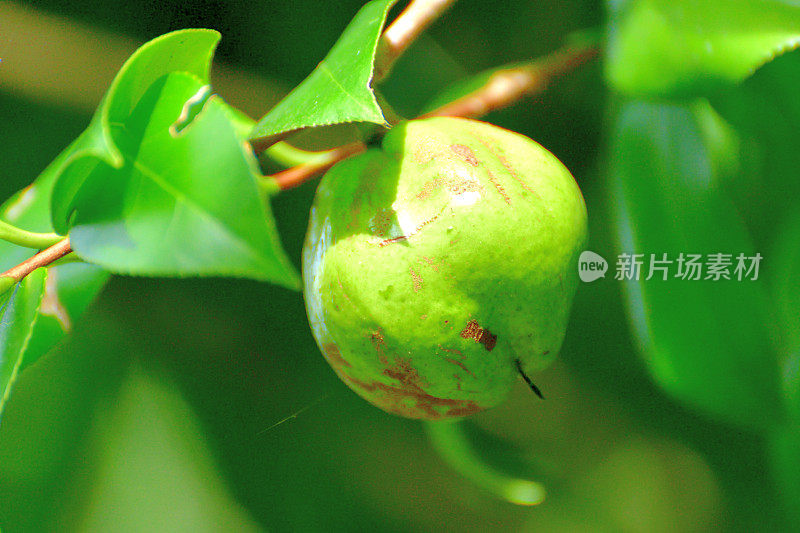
42 259
502 89
507 86
404 30
292 177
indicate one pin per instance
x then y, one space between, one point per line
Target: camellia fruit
441 267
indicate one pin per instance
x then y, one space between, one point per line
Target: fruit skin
432 264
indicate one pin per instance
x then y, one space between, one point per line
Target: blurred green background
159 412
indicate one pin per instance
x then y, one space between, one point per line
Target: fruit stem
452 443
295 176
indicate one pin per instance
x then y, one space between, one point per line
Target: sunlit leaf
338 90
183 203
173 194
668 48
95 150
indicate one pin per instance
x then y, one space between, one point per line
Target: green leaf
678 48
765 111
70 288
785 294
785 465
95 149
183 203
173 194
338 90
149 455
705 342
18 311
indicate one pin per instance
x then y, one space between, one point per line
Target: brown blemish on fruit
423 317
465 153
344 292
334 356
426 150
473 331
459 363
431 263
419 228
416 279
452 350
410 387
510 169
454 183
393 240
503 161
470 408
378 341
499 187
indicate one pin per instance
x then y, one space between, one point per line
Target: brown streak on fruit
452 350
416 279
410 387
459 363
470 408
506 165
499 187
465 153
393 240
344 292
334 356
473 331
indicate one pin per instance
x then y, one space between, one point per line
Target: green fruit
439 266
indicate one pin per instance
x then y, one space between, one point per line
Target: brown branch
42 259
292 177
507 86
502 89
414 19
